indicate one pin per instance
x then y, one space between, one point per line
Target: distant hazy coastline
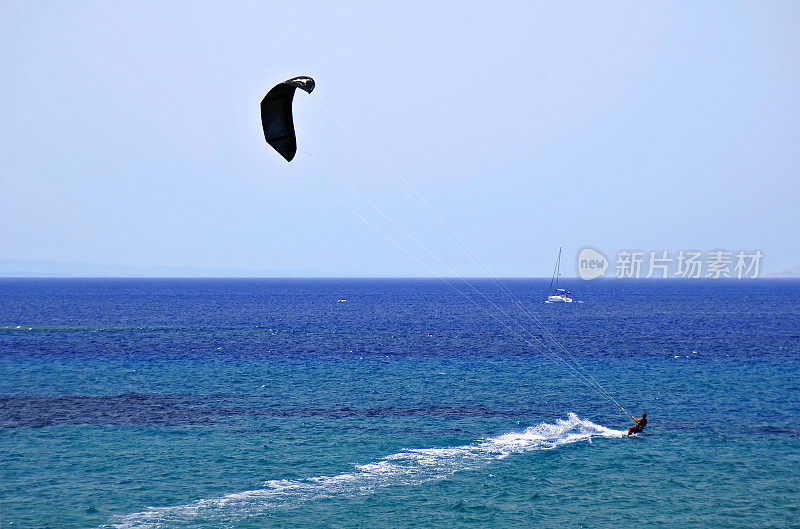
21 268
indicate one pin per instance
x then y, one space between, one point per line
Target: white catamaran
559 294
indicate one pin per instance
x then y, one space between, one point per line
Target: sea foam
407 467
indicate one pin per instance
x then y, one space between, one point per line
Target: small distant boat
558 294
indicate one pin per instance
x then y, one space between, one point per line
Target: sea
398 403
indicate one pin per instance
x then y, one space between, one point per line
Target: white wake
408 467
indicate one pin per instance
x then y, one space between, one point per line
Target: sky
441 137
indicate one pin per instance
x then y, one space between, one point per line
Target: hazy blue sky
131 132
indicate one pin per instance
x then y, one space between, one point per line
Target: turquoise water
267 403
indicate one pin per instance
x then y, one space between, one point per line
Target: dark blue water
268 403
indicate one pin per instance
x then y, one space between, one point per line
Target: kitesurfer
640 424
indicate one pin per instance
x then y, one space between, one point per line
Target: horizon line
453 278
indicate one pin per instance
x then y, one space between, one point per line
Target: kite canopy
276 115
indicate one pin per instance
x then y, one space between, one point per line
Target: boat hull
558 299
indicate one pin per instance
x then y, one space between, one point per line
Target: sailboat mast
555 272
